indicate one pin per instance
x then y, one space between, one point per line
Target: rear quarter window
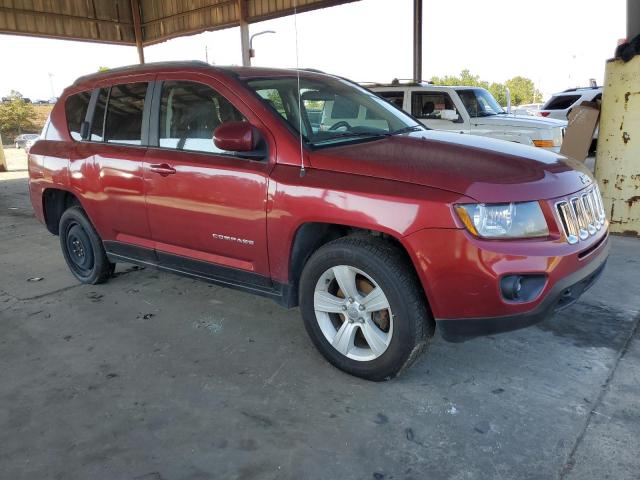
561 102
76 110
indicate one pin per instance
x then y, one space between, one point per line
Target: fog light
522 288
511 287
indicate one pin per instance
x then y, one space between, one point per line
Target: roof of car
570 91
417 85
240 72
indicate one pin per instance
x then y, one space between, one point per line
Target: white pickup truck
470 110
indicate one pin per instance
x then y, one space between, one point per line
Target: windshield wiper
367 135
413 128
347 135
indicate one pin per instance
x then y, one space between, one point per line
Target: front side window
433 106
76 110
123 122
189 113
329 111
479 102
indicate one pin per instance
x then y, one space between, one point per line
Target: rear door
106 168
206 207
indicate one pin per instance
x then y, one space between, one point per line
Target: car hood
521 121
484 169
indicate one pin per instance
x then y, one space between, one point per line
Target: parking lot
153 376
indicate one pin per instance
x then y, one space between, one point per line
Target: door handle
163 169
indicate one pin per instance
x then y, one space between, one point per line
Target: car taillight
543 114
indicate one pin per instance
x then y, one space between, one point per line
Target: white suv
560 104
471 110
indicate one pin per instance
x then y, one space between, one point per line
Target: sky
557 43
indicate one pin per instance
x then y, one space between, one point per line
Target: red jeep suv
306 188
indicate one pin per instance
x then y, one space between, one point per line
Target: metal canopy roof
148 21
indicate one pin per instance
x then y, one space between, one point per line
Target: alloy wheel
353 313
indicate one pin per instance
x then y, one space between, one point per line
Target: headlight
503 220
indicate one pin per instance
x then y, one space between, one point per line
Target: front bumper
563 294
461 276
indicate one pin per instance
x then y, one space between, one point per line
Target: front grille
582 215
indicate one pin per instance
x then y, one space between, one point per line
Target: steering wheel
339 124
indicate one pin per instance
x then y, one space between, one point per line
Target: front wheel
363 307
82 248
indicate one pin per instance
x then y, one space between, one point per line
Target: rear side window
189 113
397 98
123 122
76 110
561 102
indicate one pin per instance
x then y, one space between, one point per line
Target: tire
399 332
82 248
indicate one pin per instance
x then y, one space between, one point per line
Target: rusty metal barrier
618 155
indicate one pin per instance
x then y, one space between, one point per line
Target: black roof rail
398 82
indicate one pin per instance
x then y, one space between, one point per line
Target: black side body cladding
283 294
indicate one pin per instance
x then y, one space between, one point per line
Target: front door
206 207
438 111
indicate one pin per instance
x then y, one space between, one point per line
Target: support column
417 40
244 33
137 28
618 153
633 18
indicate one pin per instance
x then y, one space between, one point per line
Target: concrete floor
153 376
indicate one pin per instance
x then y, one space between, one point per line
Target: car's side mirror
450 115
241 137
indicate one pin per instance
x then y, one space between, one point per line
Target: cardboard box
583 121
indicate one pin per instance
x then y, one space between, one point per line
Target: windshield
333 111
479 102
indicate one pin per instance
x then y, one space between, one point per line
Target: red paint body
404 186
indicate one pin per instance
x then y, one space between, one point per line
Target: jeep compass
378 228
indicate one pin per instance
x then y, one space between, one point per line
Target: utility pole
53 94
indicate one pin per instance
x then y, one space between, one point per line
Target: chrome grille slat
581 216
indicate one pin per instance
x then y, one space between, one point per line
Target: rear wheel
363 307
82 248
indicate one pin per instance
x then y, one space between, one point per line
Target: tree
465 79
16 115
522 89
